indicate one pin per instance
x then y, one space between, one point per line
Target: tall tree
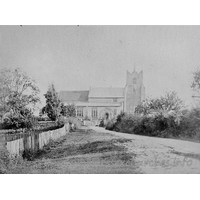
5 89
23 91
52 108
63 111
19 95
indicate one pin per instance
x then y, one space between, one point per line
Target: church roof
82 96
74 96
106 92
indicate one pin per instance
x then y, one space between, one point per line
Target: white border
102 12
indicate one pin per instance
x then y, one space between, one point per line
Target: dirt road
95 150
160 155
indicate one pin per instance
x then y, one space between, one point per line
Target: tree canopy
168 102
18 96
52 107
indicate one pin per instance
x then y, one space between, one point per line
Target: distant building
98 103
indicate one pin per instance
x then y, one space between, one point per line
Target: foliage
22 119
101 124
185 124
63 111
190 124
110 124
163 117
143 125
52 108
5 89
19 94
196 80
30 154
60 121
68 110
21 90
196 86
169 102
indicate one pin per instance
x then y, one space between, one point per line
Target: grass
83 151
56 150
4 162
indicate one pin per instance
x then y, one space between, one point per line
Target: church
101 103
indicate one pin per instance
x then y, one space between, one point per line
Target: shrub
190 124
127 123
162 123
60 121
101 124
168 102
22 119
110 125
143 125
68 110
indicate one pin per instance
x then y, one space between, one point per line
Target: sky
80 57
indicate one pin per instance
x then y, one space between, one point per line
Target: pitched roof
106 92
74 96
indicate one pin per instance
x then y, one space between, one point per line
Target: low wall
35 141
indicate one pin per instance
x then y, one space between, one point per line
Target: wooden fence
35 141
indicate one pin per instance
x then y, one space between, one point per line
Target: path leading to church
94 150
160 155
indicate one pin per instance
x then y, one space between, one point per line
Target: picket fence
35 141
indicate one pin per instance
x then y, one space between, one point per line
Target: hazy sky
79 57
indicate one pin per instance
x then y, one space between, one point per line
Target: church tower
134 91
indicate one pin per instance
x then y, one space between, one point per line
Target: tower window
134 80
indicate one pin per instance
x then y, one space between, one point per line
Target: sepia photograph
99 99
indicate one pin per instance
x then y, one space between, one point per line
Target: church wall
113 111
